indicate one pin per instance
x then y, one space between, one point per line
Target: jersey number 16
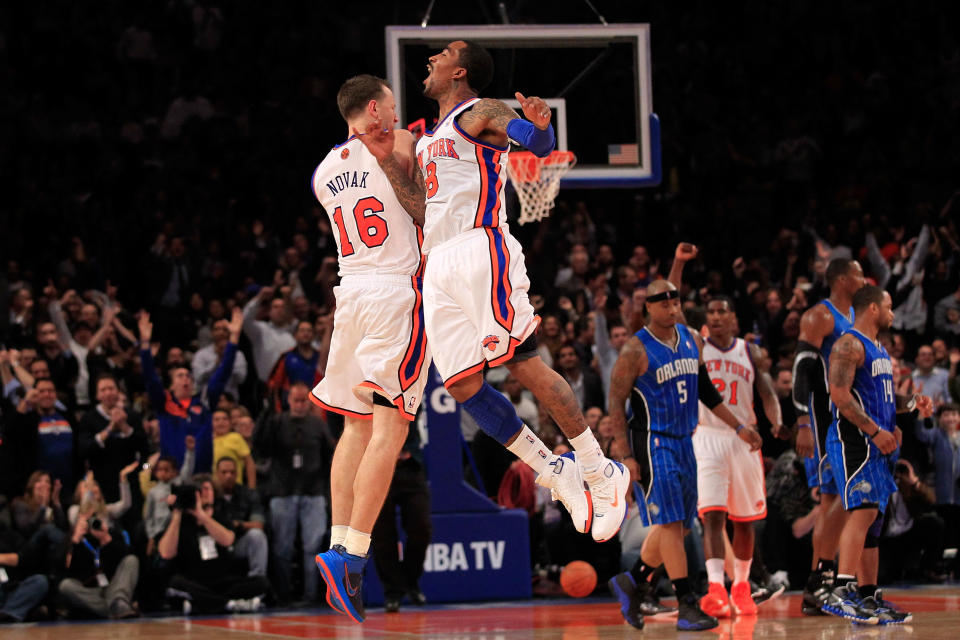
371 227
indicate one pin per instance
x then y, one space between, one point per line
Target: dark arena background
155 171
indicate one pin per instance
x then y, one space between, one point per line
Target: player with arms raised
475 287
862 438
378 354
661 372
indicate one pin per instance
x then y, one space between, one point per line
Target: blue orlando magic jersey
873 387
664 399
841 324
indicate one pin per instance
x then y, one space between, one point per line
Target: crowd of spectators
166 287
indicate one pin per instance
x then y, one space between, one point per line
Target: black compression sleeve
706 391
807 375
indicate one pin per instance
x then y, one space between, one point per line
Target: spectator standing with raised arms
180 409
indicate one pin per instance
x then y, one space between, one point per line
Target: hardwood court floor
937 615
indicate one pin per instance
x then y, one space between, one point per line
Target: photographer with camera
102 570
198 547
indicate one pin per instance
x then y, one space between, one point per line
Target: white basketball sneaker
609 494
566 485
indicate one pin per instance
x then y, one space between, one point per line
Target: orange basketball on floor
578 579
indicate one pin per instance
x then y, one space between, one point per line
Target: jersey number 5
682 391
371 227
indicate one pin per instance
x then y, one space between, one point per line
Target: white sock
357 542
529 448
589 454
715 570
338 534
741 570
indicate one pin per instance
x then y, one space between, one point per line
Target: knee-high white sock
531 449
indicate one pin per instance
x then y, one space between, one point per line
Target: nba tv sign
472 556
455 557
478 556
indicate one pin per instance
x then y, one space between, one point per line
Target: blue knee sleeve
493 413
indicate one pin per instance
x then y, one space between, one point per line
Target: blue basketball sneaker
332 602
343 574
845 602
624 589
691 617
885 611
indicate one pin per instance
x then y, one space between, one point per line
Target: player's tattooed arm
407 182
768 395
631 363
487 120
847 355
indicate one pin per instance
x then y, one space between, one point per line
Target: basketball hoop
537 181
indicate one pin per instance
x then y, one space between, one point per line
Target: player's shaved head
659 286
663 304
357 92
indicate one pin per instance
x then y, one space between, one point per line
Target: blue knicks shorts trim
861 472
668 479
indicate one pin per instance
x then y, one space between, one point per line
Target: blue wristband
739 427
539 141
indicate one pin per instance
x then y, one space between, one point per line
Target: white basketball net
537 181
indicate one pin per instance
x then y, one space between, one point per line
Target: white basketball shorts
378 345
475 301
729 476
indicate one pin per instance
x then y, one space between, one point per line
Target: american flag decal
623 153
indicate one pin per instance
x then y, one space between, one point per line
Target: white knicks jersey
374 233
465 179
733 374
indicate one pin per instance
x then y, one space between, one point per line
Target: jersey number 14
888 391
371 227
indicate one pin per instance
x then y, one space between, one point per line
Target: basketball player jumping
820 327
661 371
475 285
861 442
378 353
730 481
